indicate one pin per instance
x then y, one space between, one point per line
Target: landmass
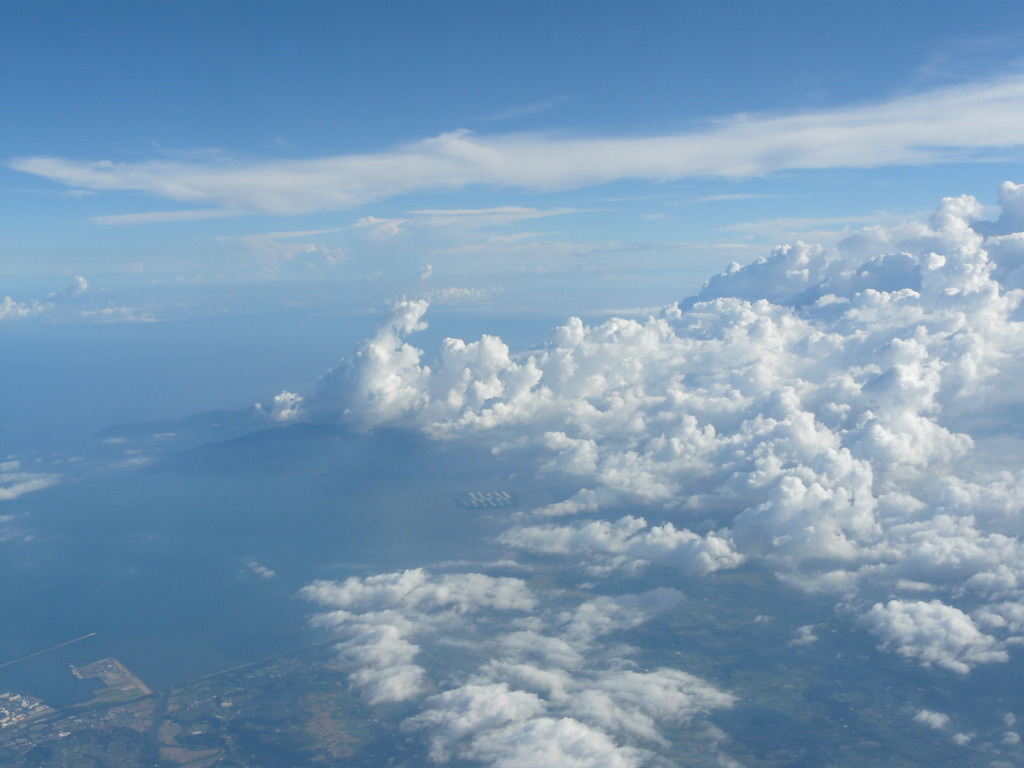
291 711
119 683
16 708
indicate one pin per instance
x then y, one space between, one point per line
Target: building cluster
16 708
484 499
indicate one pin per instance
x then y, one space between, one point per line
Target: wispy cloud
118 315
524 110
473 218
825 229
803 223
270 244
968 122
156 217
380 228
14 481
733 196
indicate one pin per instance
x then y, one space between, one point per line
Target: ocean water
149 544
160 561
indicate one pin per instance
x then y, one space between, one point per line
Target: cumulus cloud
603 615
11 309
548 743
285 407
552 684
381 616
845 417
379 659
462 712
609 714
416 589
944 125
260 570
804 636
839 415
626 544
936 720
78 286
636 702
611 717
933 634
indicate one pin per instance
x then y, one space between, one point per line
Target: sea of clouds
847 418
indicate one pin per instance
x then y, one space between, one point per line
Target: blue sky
502 144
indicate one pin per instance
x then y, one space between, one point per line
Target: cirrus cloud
945 125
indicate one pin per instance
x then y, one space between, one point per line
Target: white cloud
944 125
603 615
804 636
936 720
162 217
627 543
553 685
457 714
933 634
417 589
840 415
530 109
554 718
79 285
475 218
281 247
260 570
11 309
460 296
118 315
381 617
822 230
379 379
9 530
380 228
501 725
286 407
728 197
379 659
551 743
635 703
15 482
584 500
